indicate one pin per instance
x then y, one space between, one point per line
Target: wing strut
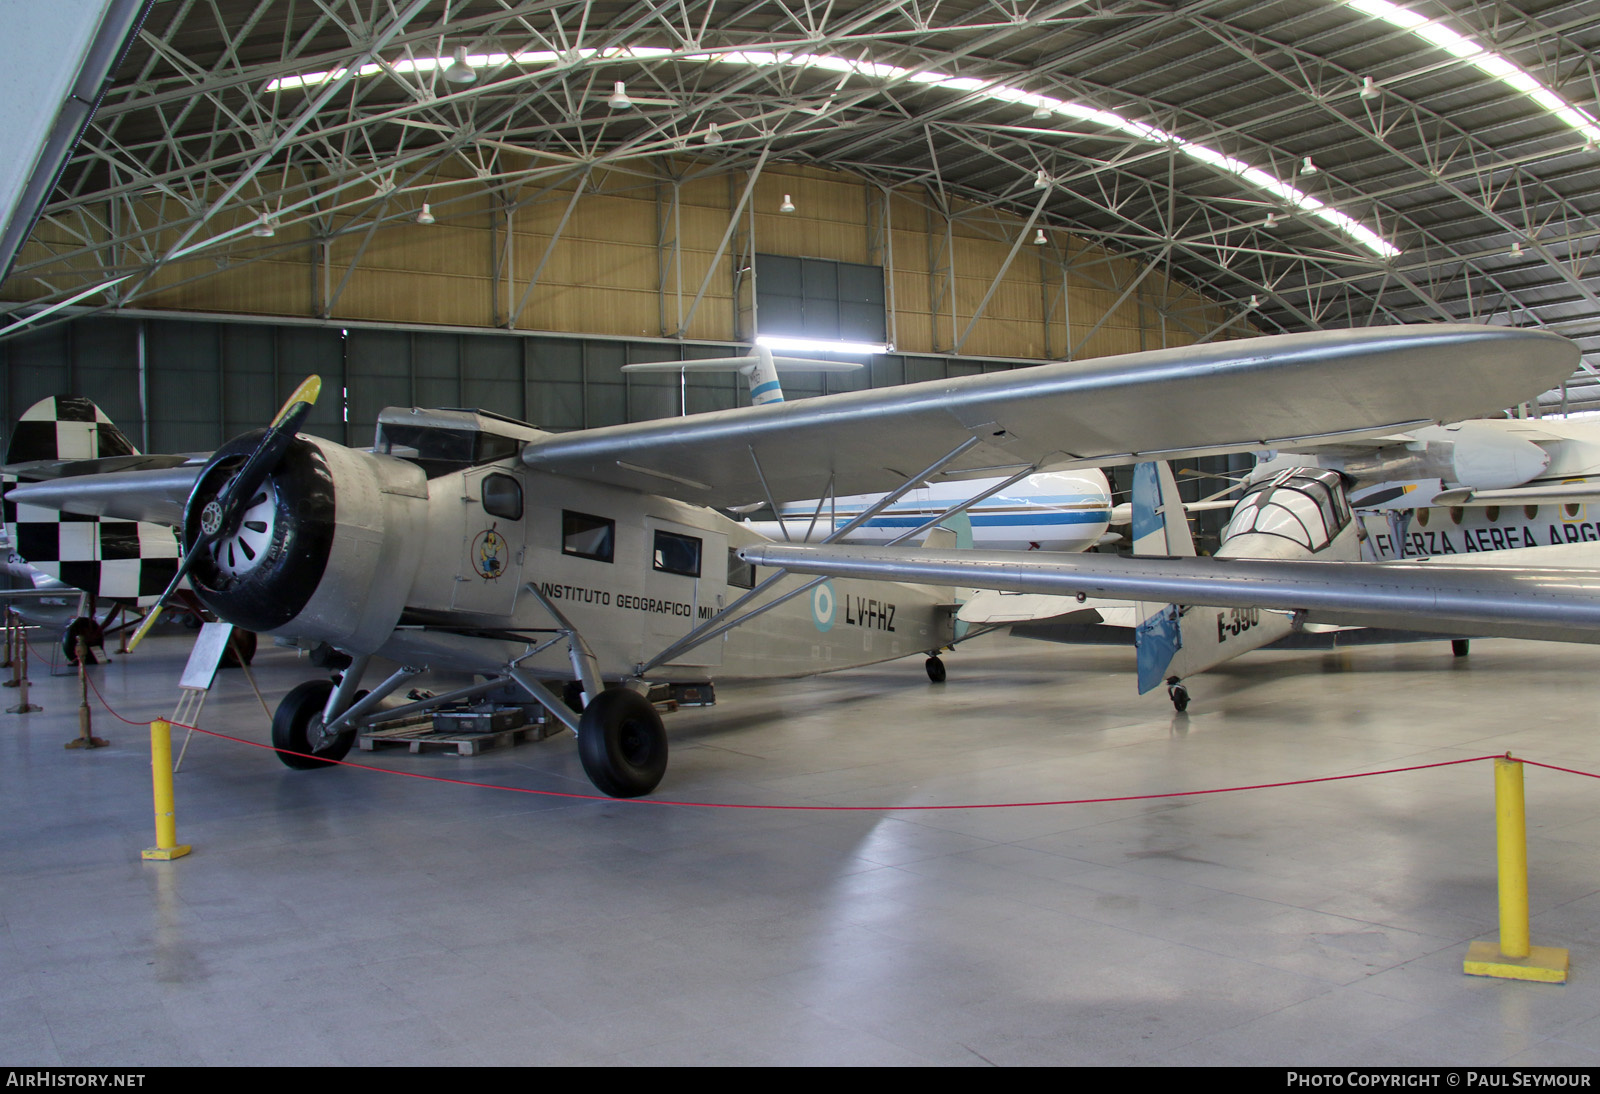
715 626
721 622
767 490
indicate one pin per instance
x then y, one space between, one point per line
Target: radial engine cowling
325 550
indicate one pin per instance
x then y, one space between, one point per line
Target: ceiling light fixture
1041 180
1516 250
1273 220
265 227
821 345
1255 302
787 206
1369 90
1039 239
1041 113
426 215
619 97
1496 66
1307 167
712 136
460 70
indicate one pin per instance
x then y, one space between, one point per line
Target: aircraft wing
1532 592
157 496
1554 493
1272 392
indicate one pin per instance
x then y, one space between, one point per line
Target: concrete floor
351 917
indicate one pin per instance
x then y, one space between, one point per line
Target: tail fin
66 427
759 367
108 558
954 532
1160 527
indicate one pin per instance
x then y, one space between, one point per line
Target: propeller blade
220 515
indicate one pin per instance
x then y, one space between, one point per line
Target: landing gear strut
622 743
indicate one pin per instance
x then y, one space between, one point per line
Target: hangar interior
499 203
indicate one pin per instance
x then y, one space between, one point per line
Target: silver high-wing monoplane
470 542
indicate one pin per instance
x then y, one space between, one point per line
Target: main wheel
1460 647
935 669
91 634
622 743
297 728
1179 696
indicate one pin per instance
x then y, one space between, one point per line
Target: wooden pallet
419 737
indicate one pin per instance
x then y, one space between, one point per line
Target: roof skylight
1491 64
1289 195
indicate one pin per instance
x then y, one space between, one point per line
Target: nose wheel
1179 696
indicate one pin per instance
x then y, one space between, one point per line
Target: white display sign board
206 656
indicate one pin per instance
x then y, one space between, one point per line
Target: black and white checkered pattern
116 559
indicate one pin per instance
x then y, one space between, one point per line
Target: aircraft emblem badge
489 554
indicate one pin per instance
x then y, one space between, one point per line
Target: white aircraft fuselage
426 562
1048 511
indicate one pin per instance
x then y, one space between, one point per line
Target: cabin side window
675 554
502 497
584 536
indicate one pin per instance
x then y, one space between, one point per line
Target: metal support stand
85 737
187 714
1514 957
11 627
20 680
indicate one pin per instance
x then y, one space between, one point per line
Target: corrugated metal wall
186 385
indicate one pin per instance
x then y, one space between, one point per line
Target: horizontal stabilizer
156 496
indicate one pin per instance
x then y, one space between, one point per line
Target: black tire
935 669
92 636
1460 647
292 721
622 743
241 649
1179 696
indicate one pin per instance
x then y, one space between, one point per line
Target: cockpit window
440 450
1305 505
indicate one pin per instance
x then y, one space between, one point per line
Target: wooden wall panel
604 273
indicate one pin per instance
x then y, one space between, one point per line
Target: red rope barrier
843 808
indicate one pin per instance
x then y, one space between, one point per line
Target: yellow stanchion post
167 845
1514 957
